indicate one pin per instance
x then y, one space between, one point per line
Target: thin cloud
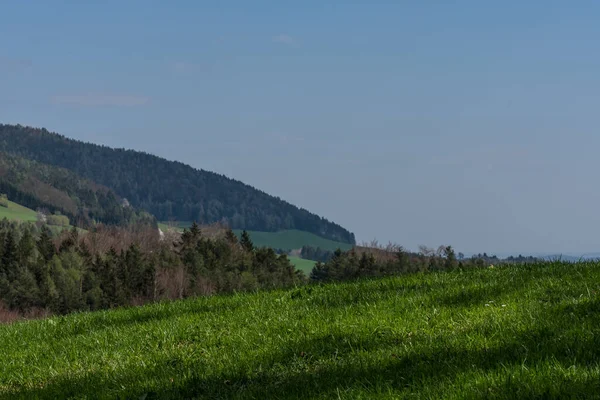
99 100
283 39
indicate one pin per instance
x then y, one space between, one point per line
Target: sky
464 123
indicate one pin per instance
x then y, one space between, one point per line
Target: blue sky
418 122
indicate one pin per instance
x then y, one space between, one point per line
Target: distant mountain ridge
170 190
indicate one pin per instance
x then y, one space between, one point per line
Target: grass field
303 265
293 239
509 332
177 225
17 212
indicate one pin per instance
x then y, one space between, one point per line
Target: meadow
303 265
17 212
293 239
509 332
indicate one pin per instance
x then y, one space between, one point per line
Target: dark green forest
53 189
169 190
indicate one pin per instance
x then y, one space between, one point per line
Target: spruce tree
195 231
45 245
230 237
246 242
450 262
26 249
9 260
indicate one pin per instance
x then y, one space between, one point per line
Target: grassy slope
164 226
510 332
293 239
17 212
303 265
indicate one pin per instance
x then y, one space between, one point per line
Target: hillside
510 332
168 190
303 265
39 186
293 239
16 212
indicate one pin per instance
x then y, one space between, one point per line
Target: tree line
316 254
44 271
371 262
114 266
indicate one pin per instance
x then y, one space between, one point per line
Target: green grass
17 212
177 225
293 239
529 332
164 227
303 265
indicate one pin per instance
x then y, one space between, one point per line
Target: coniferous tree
450 262
8 266
320 272
24 293
246 242
45 245
231 237
26 249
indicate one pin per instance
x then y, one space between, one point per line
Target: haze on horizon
467 124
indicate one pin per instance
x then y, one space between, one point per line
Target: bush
3 201
58 220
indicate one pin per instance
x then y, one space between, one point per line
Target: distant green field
165 226
303 265
279 240
290 239
511 332
293 239
17 212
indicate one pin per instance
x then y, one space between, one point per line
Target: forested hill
57 190
169 190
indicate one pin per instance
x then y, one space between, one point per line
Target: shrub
58 220
3 201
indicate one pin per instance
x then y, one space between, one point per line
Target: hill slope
39 186
16 212
168 190
303 265
293 239
510 332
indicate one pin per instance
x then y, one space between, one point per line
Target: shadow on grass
333 364
480 295
129 317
